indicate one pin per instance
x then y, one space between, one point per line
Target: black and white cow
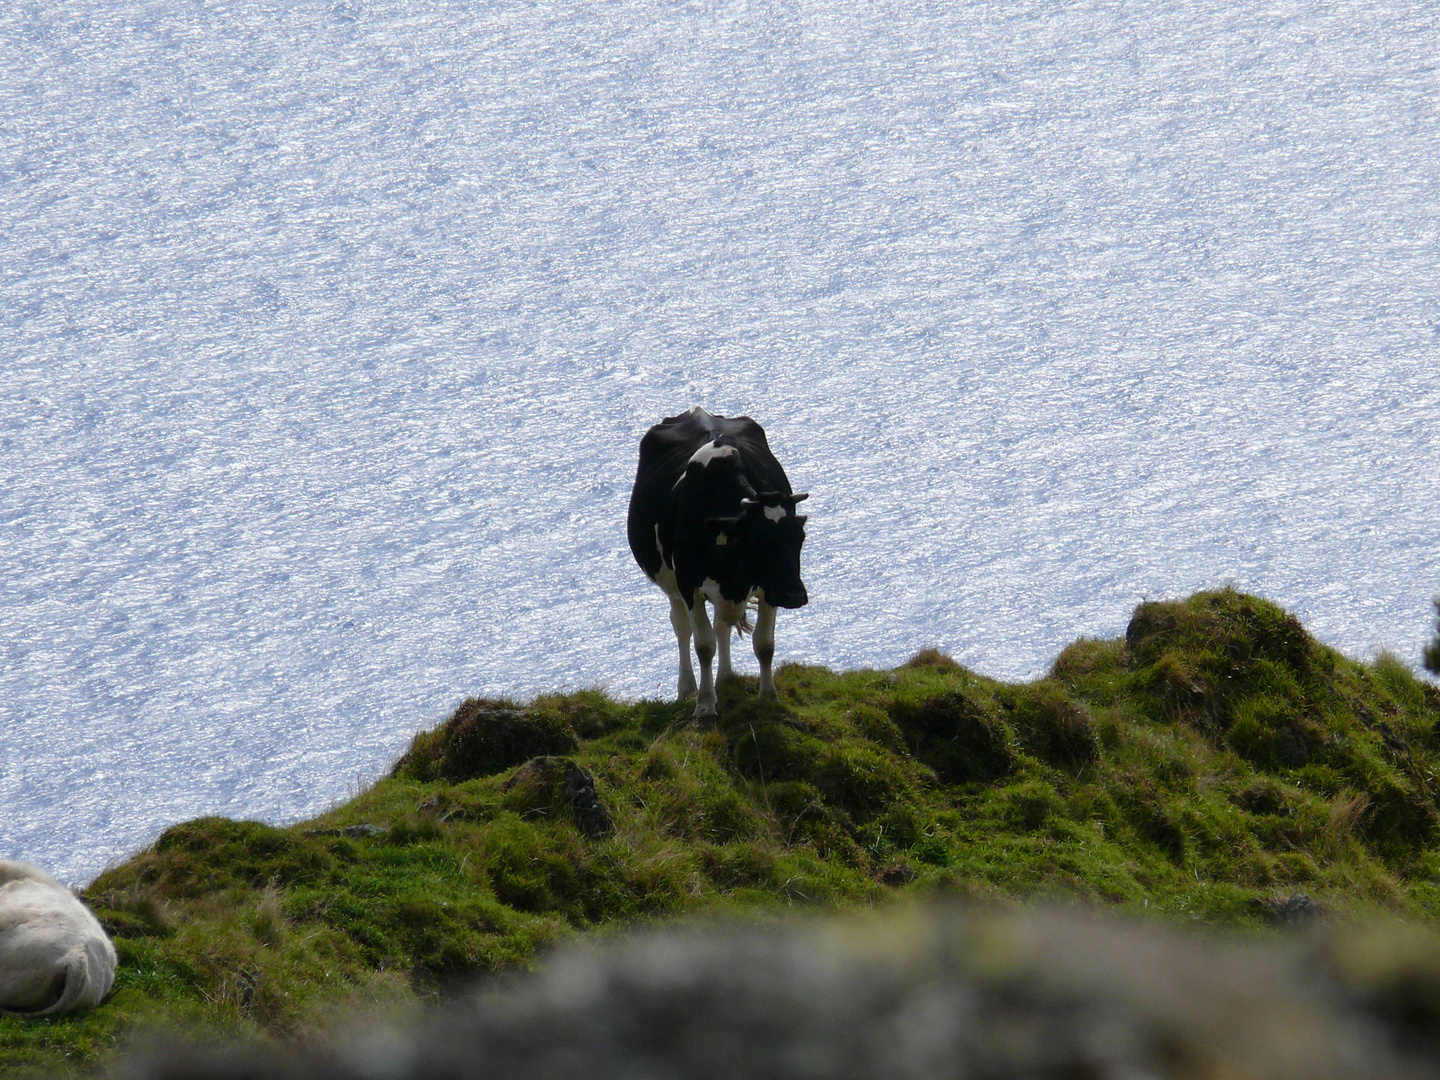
712 518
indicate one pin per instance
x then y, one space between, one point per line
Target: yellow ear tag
721 539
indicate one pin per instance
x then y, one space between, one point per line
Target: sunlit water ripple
328 332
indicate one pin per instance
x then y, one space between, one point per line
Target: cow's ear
802 518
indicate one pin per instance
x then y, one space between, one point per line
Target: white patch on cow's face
775 513
710 452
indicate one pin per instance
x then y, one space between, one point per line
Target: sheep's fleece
54 955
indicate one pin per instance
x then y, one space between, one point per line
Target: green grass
1212 763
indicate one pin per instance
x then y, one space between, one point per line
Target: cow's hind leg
705 653
764 639
723 629
680 620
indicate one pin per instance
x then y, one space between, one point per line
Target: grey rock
1298 910
910 995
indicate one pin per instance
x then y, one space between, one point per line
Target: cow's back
665 451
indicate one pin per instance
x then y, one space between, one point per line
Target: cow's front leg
764 638
705 652
680 621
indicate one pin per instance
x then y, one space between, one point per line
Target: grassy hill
1211 765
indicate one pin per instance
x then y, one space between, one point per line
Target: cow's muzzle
793 598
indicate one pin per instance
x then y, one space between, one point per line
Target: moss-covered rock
960 736
485 737
556 785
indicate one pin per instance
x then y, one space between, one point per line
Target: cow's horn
793 499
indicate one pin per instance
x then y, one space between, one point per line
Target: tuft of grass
1209 765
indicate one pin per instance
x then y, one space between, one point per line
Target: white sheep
54 956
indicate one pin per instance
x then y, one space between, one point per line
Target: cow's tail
745 626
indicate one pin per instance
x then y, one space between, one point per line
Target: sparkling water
328 333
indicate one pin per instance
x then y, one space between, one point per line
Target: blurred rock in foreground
911 993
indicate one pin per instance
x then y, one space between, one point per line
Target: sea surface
328 333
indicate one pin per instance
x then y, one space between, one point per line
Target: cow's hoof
705 711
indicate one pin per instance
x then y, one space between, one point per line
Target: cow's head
768 535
